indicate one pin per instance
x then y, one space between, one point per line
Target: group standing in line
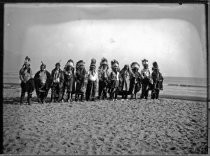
83 84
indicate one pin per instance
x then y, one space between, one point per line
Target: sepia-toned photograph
105 79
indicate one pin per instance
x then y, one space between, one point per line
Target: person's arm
20 75
30 72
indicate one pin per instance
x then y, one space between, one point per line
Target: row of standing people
84 84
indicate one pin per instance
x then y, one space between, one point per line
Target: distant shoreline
170 84
166 96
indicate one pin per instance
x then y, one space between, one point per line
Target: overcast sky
171 34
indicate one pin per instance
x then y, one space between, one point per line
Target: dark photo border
207 23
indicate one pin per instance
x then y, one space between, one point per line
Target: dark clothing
91 90
42 86
103 83
146 83
80 83
135 83
157 84
145 88
69 83
57 85
114 84
125 83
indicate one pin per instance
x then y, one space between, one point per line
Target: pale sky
173 35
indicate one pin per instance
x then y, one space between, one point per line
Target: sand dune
165 126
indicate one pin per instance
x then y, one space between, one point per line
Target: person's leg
29 98
52 93
116 93
143 91
82 97
126 94
88 91
23 90
100 89
94 90
146 90
60 93
157 93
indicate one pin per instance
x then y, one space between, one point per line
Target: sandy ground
165 126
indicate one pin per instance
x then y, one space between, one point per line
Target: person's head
57 66
135 66
155 66
42 67
93 64
126 67
135 69
104 66
80 65
145 63
92 67
70 62
115 65
68 67
104 63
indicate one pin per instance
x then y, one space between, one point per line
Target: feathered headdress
42 64
93 63
70 62
135 65
144 61
104 61
80 63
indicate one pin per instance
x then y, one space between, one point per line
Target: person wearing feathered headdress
114 79
80 78
92 78
135 79
42 81
157 79
69 80
57 83
103 75
145 73
125 75
27 82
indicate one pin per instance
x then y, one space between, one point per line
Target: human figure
135 79
43 82
92 77
125 75
27 82
69 80
57 83
157 79
145 73
114 80
103 75
80 78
